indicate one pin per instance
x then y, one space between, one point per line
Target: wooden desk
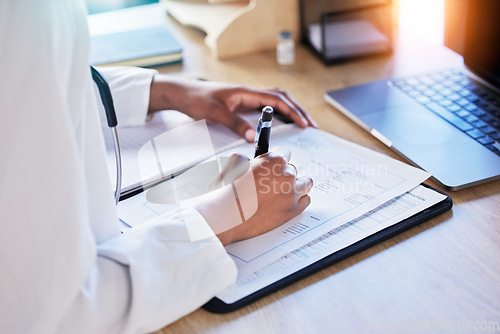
441 276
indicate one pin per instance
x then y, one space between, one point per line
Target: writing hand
265 190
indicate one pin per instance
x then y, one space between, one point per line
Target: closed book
151 46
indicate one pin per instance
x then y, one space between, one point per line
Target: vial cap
285 34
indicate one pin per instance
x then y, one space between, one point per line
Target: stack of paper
356 193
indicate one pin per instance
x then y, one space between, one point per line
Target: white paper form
252 278
349 181
168 144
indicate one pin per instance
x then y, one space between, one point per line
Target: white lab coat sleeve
130 88
148 277
64 265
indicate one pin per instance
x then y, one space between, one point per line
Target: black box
342 33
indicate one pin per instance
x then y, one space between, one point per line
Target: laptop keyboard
452 95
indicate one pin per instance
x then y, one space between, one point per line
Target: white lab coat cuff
130 88
170 275
197 228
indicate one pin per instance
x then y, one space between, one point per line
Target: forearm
167 93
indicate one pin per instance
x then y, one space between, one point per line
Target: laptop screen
482 35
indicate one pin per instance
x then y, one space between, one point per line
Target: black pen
263 133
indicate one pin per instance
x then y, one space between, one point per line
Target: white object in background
285 50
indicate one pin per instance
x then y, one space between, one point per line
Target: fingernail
250 135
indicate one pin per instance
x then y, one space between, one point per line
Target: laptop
447 121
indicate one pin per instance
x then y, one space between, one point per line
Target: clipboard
216 305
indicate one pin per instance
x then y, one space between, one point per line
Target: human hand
266 191
221 102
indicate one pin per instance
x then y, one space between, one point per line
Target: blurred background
98 6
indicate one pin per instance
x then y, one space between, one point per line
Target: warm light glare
423 17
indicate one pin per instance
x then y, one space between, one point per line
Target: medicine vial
285 50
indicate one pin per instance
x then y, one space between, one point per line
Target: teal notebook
145 47
99 6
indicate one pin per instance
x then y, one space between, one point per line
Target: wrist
212 204
225 238
164 94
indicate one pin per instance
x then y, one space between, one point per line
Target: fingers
290 110
246 98
238 125
279 157
291 170
231 168
303 185
302 204
280 152
286 105
298 108
234 164
235 159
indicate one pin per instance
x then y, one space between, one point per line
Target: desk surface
441 276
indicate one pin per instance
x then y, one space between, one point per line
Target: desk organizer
237 27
